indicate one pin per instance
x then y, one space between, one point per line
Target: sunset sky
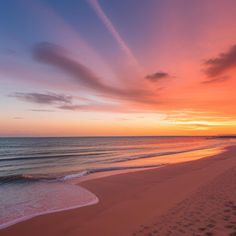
133 67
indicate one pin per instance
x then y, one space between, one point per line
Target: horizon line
120 136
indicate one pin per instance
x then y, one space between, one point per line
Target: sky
134 67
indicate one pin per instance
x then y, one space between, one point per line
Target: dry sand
209 211
192 198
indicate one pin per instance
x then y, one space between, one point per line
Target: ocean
36 173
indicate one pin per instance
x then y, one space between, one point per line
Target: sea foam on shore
23 201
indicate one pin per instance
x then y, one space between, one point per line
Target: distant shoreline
123 136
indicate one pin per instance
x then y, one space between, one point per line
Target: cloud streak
41 110
43 98
218 66
216 80
157 76
57 56
106 21
90 107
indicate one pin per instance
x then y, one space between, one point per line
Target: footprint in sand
210 211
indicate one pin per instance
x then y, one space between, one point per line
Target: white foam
77 175
21 202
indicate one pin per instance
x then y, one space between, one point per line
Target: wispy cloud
198 120
216 80
158 76
65 102
41 110
69 103
60 58
43 98
218 66
90 107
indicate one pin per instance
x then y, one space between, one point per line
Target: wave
75 175
98 170
71 175
158 154
51 156
23 178
66 176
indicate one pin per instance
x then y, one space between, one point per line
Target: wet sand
192 198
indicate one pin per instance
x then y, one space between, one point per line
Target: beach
118 118
191 198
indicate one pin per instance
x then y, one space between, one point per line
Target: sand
210 211
192 198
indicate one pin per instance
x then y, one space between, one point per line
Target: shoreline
26 218
176 158
134 184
